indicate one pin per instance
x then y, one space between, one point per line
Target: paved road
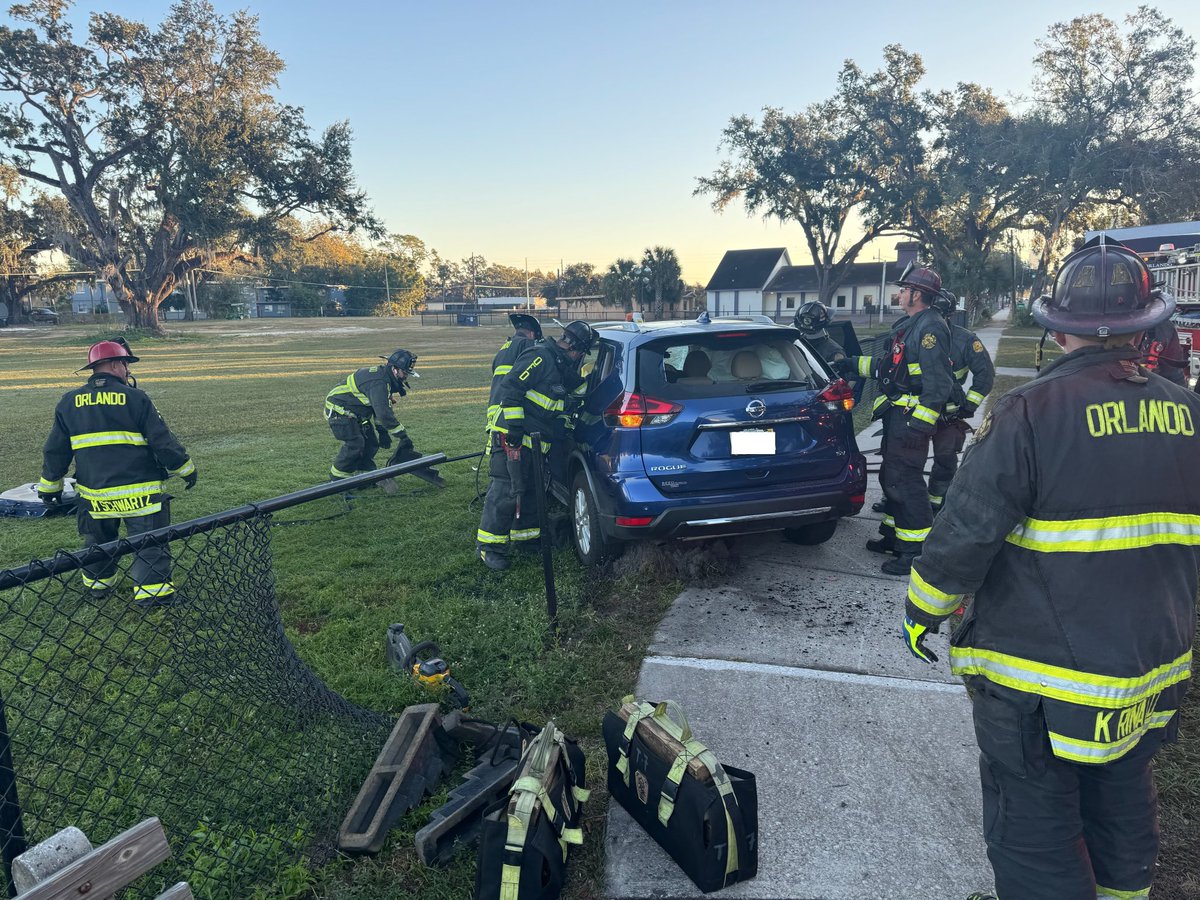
793 668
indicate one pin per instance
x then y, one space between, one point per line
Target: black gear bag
703 814
525 837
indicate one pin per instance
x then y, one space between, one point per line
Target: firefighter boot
885 544
497 562
900 565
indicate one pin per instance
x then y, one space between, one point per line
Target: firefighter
124 453
811 319
969 357
1162 353
532 397
526 330
359 411
915 381
1075 526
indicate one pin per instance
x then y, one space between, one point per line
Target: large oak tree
167 143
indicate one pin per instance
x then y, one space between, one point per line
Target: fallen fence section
197 710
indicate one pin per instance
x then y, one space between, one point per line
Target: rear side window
724 365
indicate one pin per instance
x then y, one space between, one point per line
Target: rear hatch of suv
738 408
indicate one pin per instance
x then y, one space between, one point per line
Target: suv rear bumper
741 517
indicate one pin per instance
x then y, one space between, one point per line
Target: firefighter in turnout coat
532 398
359 412
124 453
969 357
916 382
1075 523
811 320
526 330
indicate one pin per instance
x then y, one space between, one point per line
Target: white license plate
756 442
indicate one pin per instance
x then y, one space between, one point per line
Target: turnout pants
509 516
1058 830
359 445
947 443
907 515
151 569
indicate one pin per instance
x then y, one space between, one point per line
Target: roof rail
623 326
749 317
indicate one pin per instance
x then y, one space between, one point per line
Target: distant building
765 282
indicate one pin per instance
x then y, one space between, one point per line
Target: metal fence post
12 825
547 541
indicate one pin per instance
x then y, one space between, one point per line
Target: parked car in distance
705 428
44 315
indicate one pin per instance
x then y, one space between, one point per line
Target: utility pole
882 285
528 304
387 288
1012 255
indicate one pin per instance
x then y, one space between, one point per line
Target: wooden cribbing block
662 744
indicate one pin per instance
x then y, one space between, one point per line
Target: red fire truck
1179 273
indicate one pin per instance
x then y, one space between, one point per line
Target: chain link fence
198 712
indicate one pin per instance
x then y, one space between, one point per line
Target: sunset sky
575 131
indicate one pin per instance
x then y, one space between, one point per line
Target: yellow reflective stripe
1107 893
186 469
121 490
513 412
146 591
889 520
974 397
865 365
914 368
1107 533
501 370
147 510
338 473
1097 752
98 584
106 438
486 537
930 599
960 374
362 398
45 486
330 406
912 535
510 882
1068 685
543 401
935 500
925 414
394 431
879 401
524 534
951 407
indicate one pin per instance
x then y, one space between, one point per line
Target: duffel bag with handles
704 814
525 838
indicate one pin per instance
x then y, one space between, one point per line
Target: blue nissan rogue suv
695 429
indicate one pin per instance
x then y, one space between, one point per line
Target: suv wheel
590 544
810 535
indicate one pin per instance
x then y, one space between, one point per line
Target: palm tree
665 277
619 282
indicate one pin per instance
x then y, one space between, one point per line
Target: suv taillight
633 410
837 397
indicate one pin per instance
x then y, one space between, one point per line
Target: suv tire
811 535
591 546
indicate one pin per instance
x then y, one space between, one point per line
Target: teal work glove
913 636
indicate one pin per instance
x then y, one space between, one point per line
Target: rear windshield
724 365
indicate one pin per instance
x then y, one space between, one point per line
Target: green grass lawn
1019 352
246 399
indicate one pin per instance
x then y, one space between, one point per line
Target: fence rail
199 712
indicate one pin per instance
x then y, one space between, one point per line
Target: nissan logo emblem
756 408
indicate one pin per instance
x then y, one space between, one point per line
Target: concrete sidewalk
793 668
